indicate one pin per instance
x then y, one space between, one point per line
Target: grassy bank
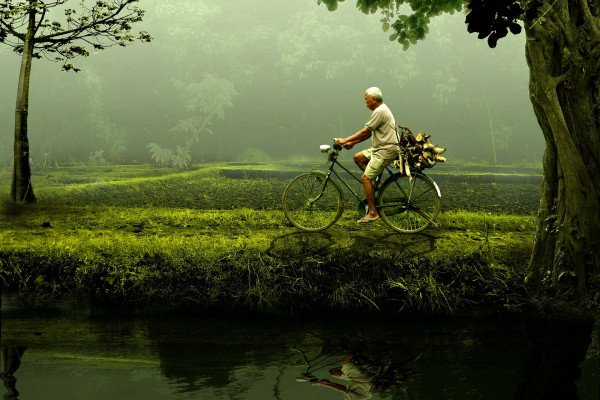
146 235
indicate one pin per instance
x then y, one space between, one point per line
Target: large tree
563 55
26 26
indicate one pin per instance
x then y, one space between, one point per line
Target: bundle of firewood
417 151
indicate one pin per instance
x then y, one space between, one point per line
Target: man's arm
330 385
350 354
358 137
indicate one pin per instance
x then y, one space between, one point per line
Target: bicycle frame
333 160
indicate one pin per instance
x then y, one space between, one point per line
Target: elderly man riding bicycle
381 129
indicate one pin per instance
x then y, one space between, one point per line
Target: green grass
147 235
486 163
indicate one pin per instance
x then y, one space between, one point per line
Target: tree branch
558 19
103 24
557 80
590 20
10 29
75 31
63 41
40 23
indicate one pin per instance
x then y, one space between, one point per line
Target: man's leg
361 160
370 194
374 167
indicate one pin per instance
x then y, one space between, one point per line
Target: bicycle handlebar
336 146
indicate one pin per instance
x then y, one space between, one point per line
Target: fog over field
272 79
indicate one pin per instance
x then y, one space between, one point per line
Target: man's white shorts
376 165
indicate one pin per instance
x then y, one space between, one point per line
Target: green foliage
180 159
492 19
97 158
161 157
408 27
47 161
101 24
204 101
106 134
305 48
250 257
212 95
332 5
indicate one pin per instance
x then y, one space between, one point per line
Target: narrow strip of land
199 238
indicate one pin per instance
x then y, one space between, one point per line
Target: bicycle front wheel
409 206
312 202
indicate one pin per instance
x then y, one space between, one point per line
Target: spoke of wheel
406 217
302 190
412 221
414 199
427 217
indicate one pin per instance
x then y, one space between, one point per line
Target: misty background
247 80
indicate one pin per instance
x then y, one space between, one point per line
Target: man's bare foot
367 219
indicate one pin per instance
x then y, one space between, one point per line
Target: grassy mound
147 235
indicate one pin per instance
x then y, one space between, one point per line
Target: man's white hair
375 93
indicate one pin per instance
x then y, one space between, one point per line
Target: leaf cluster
160 156
407 27
489 18
180 159
203 108
61 34
493 19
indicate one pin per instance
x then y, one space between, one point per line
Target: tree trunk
21 189
563 54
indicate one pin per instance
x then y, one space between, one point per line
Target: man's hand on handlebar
344 143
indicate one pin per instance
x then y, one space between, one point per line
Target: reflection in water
363 376
170 357
226 355
11 357
557 346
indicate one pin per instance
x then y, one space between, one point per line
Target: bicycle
314 201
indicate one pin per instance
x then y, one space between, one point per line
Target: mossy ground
149 235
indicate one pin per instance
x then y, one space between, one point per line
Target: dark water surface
82 352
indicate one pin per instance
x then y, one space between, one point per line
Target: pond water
83 352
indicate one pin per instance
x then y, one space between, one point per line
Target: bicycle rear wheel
312 202
409 206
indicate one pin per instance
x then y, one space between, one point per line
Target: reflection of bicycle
314 202
315 364
311 354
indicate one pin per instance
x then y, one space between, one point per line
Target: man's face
371 102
